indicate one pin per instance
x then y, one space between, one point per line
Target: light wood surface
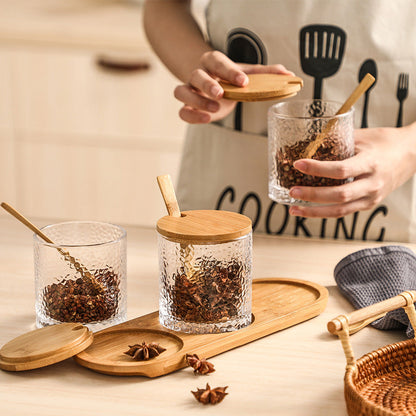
263 87
296 372
277 304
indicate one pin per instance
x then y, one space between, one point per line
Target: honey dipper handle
168 193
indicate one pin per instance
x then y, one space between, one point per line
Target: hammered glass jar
292 127
64 293
205 266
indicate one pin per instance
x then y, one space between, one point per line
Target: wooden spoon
77 265
362 87
169 196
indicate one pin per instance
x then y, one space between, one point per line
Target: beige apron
224 166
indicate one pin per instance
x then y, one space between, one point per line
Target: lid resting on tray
45 346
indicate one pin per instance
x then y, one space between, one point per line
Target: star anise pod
143 351
200 365
208 395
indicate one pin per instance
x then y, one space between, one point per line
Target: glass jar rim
272 110
122 236
199 242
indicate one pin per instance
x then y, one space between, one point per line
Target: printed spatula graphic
321 52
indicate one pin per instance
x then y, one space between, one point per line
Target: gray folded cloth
371 275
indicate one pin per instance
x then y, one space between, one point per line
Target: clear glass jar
64 293
205 286
292 127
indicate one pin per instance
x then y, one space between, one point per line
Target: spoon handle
362 87
77 265
168 194
25 221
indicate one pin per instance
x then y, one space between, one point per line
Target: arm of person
385 158
177 39
174 35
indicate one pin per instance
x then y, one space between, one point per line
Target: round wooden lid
205 226
45 346
262 87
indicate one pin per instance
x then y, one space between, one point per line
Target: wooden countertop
297 371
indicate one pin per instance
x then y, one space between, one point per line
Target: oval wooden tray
278 303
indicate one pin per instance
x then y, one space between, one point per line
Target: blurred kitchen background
87 113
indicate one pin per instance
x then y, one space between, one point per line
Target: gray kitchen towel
371 275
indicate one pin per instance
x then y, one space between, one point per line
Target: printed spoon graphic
368 67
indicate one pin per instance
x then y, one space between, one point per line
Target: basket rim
351 373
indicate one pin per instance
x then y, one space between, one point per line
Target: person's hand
384 159
202 95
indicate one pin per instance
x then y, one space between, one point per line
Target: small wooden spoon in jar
77 265
362 87
169 197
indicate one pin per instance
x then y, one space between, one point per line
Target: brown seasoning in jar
80 301
331 149
212 294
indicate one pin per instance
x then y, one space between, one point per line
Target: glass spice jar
293 128
94 293
205 266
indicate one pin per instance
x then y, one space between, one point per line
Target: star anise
200 365
143 351
208 395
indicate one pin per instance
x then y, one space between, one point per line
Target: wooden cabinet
88 141
70 93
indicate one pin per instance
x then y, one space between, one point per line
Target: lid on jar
45 346
205 226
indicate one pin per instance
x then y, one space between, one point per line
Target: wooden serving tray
278 303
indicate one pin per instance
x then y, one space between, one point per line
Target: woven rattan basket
382 382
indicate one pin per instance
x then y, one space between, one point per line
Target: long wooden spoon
77 265
362 87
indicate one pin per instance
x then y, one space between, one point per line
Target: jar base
93 326
205 328
281 195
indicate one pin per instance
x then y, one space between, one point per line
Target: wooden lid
262 87
205 226
45 346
